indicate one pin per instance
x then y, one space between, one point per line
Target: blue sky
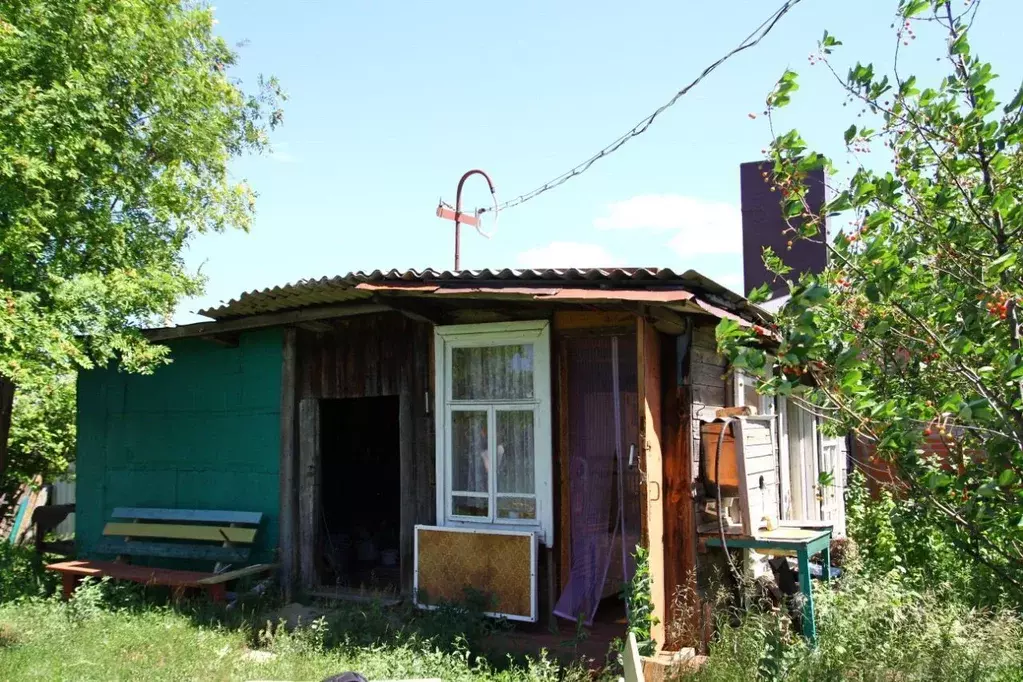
390 102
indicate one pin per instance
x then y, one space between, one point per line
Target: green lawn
48 640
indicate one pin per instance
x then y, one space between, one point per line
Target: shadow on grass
345 626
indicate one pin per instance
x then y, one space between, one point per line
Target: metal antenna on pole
445 211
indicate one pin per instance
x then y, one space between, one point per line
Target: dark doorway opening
360 493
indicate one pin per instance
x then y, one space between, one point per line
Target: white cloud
732 280
279 152
700 227
567 255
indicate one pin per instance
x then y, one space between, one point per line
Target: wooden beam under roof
291 317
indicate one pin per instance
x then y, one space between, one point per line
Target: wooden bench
223 537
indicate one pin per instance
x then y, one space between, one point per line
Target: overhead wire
751 40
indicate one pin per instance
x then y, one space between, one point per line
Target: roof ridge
328 289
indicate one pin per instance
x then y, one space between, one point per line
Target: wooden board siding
575 320
309 481
202 432
288 553
708 384
374 356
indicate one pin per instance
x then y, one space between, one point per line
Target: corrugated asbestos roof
628 284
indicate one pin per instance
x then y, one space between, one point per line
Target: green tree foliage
913 331
117 123
897 538
42 437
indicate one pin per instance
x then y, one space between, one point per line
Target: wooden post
679 511
287 512
309 490
649 359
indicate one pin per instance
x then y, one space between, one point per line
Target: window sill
506 526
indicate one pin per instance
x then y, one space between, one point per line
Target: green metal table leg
826 559
809 626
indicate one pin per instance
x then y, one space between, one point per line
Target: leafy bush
872 629
900 538
639 603
22 574
88 601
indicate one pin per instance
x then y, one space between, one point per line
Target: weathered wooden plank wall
309 481
288 511
379 355
709 386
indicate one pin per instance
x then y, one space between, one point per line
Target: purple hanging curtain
603 424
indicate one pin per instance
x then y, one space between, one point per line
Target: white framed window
746 393
494 426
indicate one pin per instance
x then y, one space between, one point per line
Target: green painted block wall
200 433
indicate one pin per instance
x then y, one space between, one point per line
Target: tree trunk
6 407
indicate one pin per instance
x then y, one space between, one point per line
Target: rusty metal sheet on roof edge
638 295
400 286
463 289
536 292
527 292
721 313
349 287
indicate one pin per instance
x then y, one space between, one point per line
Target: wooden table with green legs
804 543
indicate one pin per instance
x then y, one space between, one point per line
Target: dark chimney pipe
763 225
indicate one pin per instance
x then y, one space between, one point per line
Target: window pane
469 506
516 508
750 396
767 401
492 373
515 451
470 459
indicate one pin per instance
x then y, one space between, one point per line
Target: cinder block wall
200 433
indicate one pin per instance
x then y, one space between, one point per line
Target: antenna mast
445 211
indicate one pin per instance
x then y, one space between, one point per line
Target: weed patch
872 629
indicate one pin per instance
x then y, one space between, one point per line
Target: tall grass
872 629
85 639
111 631
22 574
910 606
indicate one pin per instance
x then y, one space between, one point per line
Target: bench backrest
205 534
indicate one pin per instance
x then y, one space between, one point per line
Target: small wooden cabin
511 432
